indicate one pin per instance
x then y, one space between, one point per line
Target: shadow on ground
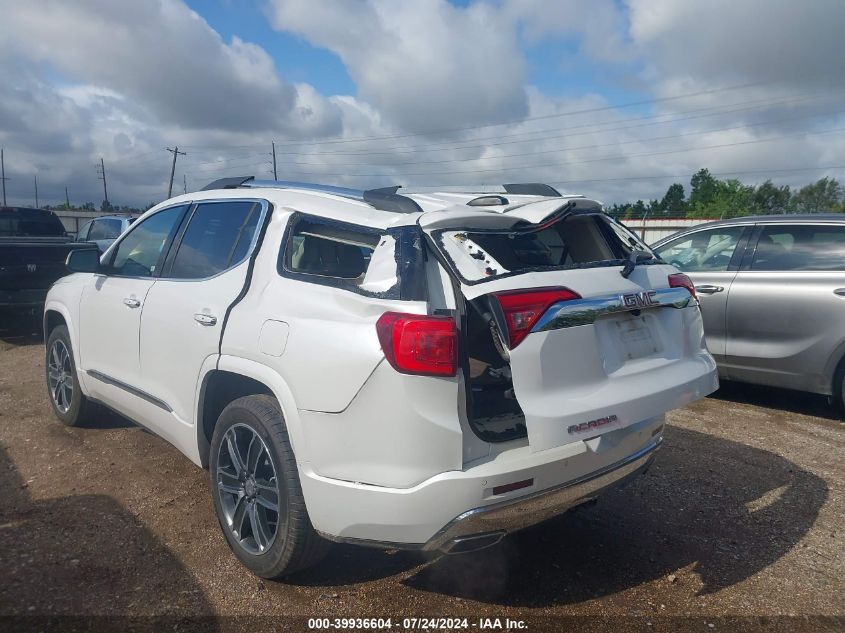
723 508
779 400
85 554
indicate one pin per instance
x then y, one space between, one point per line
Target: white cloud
123 80
424 65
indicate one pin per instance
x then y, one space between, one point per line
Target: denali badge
639 299
592 424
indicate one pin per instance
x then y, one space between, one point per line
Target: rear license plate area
635 337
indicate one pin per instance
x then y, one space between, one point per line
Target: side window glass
105 229
83 232
709 250
138 253
330 250
218 236
800 247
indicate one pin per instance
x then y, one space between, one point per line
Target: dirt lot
740 517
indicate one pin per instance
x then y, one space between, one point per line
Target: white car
426 371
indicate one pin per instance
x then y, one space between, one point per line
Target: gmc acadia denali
408 370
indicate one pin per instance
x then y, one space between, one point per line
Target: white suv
425 371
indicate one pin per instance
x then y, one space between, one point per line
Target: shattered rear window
576 241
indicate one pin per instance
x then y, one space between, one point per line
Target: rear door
786 306
710 257
185 310
597 350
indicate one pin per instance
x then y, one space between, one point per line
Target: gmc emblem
636 300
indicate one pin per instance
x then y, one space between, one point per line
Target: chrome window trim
265 206
574 312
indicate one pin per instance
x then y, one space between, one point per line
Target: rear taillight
523 308
680 280
419 344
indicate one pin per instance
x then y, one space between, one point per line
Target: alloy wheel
60 376
248 489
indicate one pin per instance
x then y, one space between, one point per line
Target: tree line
711 197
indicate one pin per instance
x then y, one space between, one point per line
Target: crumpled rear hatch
592 337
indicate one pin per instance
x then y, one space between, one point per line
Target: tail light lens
523 308
680 280
419 344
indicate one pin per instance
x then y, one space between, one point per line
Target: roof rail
387 199
531 189
384 199
228 183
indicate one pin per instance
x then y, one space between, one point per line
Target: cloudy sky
614 99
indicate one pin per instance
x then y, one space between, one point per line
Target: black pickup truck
33 250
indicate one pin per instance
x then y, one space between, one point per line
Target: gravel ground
739 524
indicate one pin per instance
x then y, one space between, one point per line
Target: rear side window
576 241
21 222
800 247
386 264
707 250
105 229
218 237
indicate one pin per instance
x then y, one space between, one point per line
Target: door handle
839 292
205 319
707 289
132 303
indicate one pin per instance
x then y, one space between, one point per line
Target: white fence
651 230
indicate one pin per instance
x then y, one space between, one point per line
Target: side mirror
83 260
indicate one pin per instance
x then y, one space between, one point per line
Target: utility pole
3 176
102 176
275 177
36 191
175 151
184 183
67 199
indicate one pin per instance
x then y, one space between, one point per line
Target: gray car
104 230
772 291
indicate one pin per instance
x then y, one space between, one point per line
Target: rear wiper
634 258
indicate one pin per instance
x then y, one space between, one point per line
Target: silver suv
772 292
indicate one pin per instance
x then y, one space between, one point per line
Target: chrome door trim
129 388
564 314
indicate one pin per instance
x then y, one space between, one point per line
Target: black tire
838 397
295 545
73 410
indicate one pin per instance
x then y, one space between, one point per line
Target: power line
564 163
618 106
680 176
592 146
600 127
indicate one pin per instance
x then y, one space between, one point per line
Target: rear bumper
442 512
481 527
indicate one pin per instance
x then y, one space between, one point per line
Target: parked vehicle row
33 250
423 371
772 293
